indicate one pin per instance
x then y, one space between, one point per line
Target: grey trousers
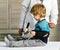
12 42
27 43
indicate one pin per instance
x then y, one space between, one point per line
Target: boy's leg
13 43
7 41
24 43
17 43
32 43
10 38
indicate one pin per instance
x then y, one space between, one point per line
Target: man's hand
52 25
20 31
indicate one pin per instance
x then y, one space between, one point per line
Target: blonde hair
38 9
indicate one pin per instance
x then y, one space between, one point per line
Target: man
51 13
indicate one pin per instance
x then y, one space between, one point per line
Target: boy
39 35
42 28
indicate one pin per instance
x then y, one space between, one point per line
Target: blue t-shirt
42 26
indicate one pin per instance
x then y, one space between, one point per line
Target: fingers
52 25
20 31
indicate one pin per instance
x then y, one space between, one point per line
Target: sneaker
7 41
10 38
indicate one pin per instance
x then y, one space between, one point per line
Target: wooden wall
9 15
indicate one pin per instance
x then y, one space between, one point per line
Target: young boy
39 35
42 28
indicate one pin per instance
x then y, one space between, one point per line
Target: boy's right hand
20 31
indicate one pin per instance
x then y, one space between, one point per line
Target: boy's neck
41 19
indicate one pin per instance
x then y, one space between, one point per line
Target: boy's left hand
32 32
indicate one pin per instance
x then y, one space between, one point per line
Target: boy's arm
42 34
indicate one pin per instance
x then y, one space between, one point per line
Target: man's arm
23 11
54 13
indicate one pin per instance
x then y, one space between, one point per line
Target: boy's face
37 17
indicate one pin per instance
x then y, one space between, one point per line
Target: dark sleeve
42 34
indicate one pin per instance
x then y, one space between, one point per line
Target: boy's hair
38 9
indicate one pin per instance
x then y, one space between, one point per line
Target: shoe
10 38
7 41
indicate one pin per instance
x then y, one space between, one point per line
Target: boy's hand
52 25
32 32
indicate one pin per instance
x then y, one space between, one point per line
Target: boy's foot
10 38
7 41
